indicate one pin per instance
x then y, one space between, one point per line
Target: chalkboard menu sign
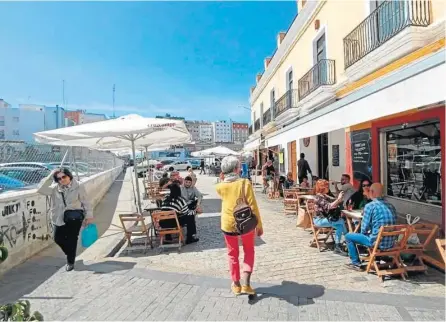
361 154
335 155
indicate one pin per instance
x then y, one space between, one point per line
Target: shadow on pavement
292 292
104 267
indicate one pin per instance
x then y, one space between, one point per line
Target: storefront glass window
414 162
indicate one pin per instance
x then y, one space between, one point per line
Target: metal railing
266 117
24 165
287 101
386 21
323 73
257 125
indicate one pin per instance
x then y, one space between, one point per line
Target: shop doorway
322 153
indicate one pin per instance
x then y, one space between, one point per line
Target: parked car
26 175
38 165
163 163
177 166
8 183
195 163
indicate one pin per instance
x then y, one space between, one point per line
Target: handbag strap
63 198
242 197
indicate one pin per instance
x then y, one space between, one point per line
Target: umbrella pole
138 194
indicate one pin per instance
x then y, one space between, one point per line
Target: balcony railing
257 125
250 130
386 21
287 101
266 117
323 73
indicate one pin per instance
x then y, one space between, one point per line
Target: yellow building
340 69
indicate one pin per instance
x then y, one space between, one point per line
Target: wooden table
351 215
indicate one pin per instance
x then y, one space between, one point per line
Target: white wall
25 224
336 137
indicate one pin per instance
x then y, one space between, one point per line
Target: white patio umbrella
124 132
219 151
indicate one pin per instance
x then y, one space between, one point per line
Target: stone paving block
426 315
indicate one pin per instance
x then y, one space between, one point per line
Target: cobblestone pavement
283 253
114 290
293 281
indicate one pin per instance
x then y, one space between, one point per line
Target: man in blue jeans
377 213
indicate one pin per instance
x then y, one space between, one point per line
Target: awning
405 95
251 146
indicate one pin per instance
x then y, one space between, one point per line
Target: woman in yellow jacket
230 190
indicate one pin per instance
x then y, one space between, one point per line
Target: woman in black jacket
362 196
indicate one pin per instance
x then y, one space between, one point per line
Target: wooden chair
159 216
426 232
441 248
290 202
395 267
138 228
320 234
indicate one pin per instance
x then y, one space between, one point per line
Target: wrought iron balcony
257 125
386 21
266 117
323 73
250 130
287 101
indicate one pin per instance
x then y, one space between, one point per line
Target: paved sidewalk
117 291
293 280
283 253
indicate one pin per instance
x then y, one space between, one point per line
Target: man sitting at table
186 216
191 194
377 213
289 182
346 187
176 178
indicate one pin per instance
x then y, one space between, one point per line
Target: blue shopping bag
89 235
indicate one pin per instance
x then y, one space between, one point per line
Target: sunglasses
60 178
366 185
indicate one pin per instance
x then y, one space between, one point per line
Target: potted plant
19 311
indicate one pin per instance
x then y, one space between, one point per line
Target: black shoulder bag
72 215
245 220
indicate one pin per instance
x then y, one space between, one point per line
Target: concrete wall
25 225
311 154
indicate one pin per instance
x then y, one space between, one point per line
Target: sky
192 59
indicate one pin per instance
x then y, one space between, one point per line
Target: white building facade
222 131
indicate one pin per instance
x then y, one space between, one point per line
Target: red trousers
248 242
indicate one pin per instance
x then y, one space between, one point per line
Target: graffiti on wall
23 221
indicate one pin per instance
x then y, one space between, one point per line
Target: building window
414 162
2 134
15 132
2 121
15 119
289 84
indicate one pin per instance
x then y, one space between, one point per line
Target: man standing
346 187
303 168
377 213
268 173
191 194
202 170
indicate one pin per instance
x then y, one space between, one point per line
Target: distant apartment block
240 132
222 131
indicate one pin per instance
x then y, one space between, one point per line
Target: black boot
338 250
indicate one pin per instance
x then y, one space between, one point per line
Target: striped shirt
179 205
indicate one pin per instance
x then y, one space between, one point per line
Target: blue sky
192 59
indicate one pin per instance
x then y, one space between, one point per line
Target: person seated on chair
191 194
305 183
328 213
192 175
377 213
186 216
361 197
346 187
176 178
289 182
164 181
268 173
